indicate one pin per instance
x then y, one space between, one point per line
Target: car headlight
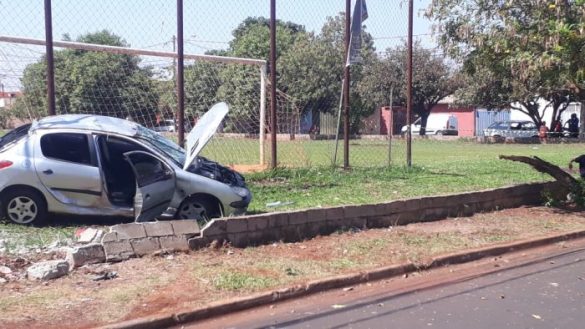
241 191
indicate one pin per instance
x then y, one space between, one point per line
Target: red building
465 118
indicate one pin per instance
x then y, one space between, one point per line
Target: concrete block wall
299 225
139 239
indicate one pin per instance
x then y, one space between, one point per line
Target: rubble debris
89 254
5 270
88 234
48 270
107 275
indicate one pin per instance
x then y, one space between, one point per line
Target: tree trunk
545 167
423 124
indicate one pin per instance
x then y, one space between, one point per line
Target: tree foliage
516 51
91 82
251 40
433 80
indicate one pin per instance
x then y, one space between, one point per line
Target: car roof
97 123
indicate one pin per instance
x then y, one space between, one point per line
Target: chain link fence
226 46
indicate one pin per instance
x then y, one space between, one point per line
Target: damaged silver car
104 166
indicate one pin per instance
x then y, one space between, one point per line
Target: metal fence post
273 125
180 75
50 60
346 87
409 88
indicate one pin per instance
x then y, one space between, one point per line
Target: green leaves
527 48
92 82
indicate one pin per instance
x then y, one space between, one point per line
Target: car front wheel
24 206
202 210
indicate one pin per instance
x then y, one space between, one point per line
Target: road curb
311 287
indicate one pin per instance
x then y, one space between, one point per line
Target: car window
528 126
148 169
69 147
498 125
14 135
515 126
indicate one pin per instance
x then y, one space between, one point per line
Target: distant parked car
97 165
512 128
167 125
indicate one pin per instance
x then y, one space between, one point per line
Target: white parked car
97 165
166 125
437 124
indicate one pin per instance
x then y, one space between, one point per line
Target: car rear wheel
24 206
202 210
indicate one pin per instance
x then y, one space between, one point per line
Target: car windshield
167 147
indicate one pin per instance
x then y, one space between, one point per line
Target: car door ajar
155 185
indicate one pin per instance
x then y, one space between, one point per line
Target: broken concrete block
5 269
217 227
48 270
145 246
110 237
88 254
118 250
185 227
158 229
173 243
129 231
87 235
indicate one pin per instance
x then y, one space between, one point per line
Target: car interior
119 176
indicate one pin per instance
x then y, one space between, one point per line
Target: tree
92 82
528 48
311 72
240 83
432 80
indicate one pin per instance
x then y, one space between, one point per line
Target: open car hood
203 131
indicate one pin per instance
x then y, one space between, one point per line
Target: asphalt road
545 291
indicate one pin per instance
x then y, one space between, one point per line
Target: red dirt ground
165 284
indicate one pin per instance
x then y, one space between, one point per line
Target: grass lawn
309 181
438 167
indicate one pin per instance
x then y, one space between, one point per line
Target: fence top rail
131 51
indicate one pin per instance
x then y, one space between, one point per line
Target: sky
208 24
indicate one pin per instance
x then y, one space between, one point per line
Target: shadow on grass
64 221
446 174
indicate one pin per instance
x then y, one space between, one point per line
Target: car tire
24 206
439 133
200 209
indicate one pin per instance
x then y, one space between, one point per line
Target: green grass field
438 167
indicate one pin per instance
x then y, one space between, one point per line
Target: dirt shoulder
165 284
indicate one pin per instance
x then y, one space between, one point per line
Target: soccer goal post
139 83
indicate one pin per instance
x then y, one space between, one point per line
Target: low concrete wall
138 239
299 225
